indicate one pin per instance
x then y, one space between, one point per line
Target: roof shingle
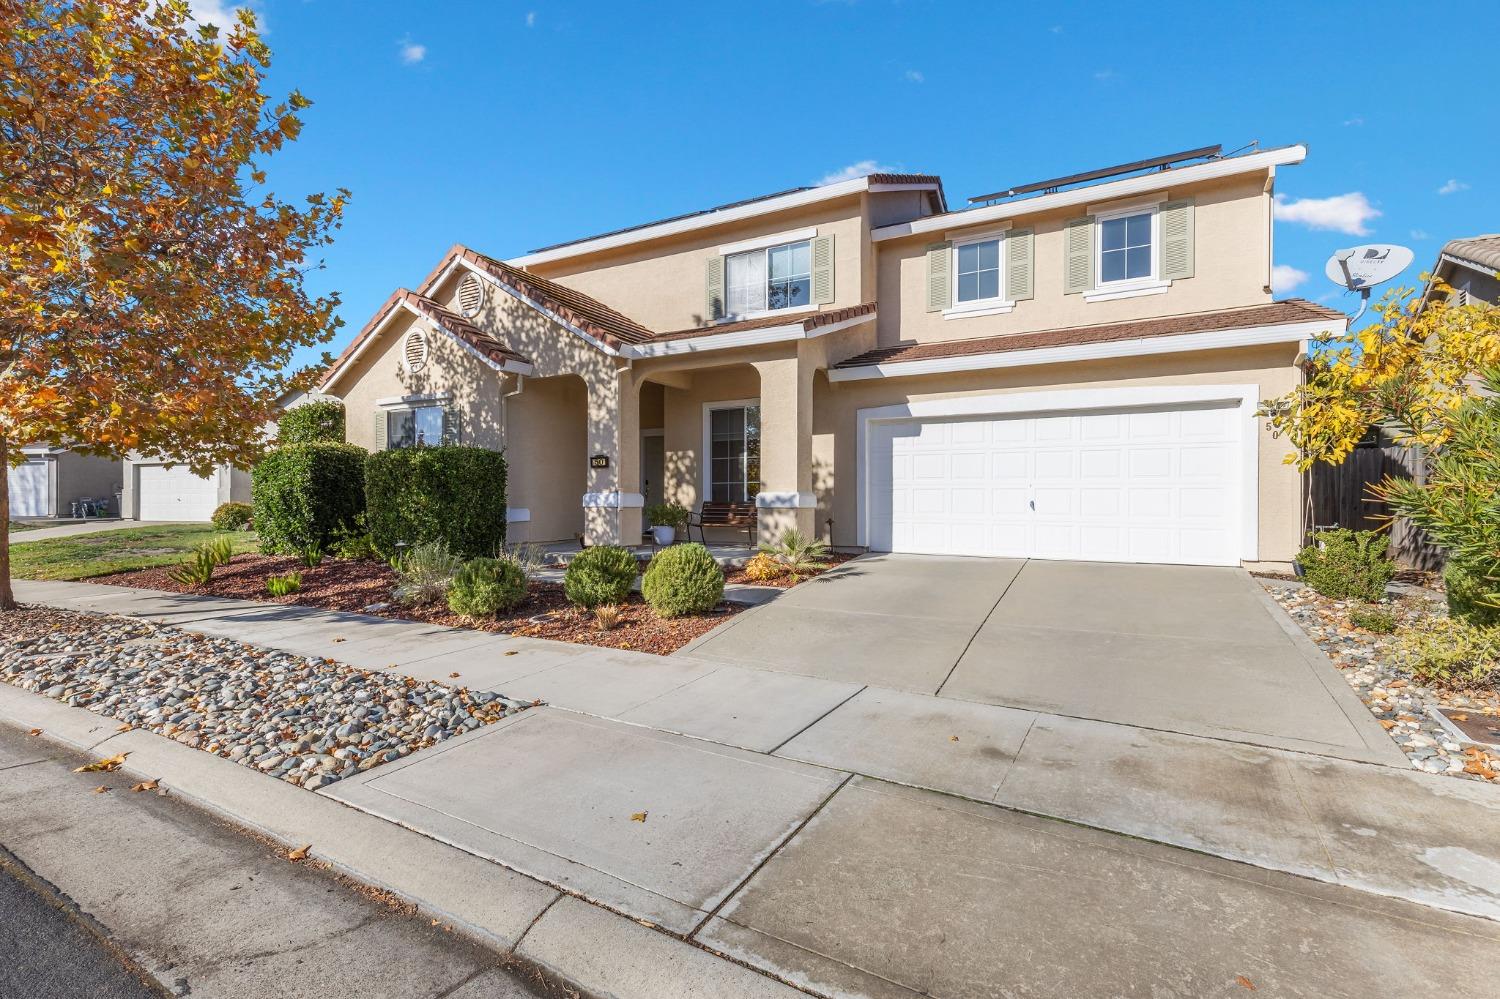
1292 310
1481 250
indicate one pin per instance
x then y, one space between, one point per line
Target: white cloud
1105 74
1056 29
1453 187
1356 121
854 171
216 12
411 52
914 76
1420 234
531 19
1285 277
1340 213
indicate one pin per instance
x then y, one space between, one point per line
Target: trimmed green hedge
306 494
312 422
451 493
683 579
1345 564
600 575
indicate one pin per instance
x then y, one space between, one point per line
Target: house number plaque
599 461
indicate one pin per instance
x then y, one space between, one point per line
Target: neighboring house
1068 375
157 490
1469 266
52 479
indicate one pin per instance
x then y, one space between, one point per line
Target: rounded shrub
312 422
306 495
486 586
602 575
683 579
1348 564
1467 589
763 568
454 494
233 516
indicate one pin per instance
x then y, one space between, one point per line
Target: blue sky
507 126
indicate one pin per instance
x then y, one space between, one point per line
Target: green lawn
14 527
114 551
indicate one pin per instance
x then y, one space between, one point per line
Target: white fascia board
1097 193
344 368
742 338
1165 344
794 200
774 239
538 306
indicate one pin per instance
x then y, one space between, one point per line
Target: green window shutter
452 426
380 430
822 270
1078 254
1018 253
939 276
713 304
1177 240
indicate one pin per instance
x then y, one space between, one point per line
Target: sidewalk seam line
1015 760
537 918
775 749
970 643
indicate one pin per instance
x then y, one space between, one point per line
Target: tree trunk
7 597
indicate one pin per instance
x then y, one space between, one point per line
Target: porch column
786 498
612 504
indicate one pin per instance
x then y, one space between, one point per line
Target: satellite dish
1361 268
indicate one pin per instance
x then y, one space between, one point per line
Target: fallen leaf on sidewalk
1247 983
35 731
513 652
300 853
638 817
146 785
952 738
1387 724
453 676
125 727
108 764
341 639
101 789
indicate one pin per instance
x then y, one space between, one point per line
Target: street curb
597 952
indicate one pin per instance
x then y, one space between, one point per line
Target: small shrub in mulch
683 579
1348 564
233 516
485 586
600 575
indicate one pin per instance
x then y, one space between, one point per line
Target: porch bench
738 515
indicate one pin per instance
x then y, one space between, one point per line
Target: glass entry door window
734 454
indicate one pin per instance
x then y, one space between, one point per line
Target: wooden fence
1341 496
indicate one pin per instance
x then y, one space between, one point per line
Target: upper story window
764 280
978 271
1127 248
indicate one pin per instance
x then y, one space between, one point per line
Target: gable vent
415 349
470 295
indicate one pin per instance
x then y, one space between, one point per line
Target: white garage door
174 493
28 490
1139 485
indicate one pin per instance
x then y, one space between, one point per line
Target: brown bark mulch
788 581
355 585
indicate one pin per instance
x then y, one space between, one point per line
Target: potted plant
665 519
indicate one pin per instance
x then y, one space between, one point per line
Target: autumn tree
153 283
1421 374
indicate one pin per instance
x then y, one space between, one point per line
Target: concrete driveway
1196 650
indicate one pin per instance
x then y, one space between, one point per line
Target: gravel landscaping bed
308 721
1396 700
365 587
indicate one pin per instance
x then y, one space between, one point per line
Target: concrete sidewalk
754 840
87 527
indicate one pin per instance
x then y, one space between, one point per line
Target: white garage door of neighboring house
1137 485
28 490
174 493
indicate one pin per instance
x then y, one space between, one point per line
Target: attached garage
1162 476
55 482
30 495
175 493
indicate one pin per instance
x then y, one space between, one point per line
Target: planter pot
664 535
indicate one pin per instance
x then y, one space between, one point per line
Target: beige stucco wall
1231 260
660 283
834 446
547 452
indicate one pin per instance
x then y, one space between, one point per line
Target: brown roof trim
809 322
1292 310
450 322
574 308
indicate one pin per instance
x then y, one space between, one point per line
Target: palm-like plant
798 553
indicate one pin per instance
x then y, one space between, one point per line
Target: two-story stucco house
1067 373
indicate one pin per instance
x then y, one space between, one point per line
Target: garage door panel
175 493
1159 485
28 489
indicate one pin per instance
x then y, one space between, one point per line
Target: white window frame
1152 284
764 246
412 406
999 305
706 470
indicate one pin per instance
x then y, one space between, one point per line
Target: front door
653 466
